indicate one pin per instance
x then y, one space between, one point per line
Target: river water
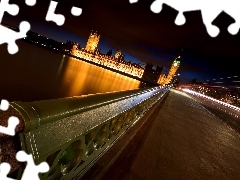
36 73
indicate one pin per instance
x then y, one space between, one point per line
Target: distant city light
210 98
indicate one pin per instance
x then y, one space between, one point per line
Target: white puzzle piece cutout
4 105
8 35
30 2
59 19
76 11
12 9
31 171
209 10
10 130
4 170
12 121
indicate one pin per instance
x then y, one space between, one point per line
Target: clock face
175 64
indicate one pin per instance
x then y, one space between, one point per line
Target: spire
92 42
180 54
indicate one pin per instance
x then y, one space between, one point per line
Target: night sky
142 35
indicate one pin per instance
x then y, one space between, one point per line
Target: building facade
91 53
92 42
117 62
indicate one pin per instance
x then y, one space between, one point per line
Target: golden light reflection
83 78
117 63
108 61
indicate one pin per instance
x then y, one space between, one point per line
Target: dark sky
142 35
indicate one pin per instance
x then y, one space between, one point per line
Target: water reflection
35 73
81 77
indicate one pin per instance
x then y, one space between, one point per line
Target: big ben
163 80
174 68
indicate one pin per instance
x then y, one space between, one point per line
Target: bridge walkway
181 139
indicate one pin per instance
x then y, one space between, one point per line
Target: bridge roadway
179 139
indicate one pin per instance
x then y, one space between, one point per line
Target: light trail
210 98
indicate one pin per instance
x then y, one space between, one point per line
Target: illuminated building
174 67
118 54
74 48
117 62
92 42
92 54
163 80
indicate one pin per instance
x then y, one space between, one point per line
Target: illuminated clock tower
92 42
174 67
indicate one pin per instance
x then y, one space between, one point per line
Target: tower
74 48
147 74
118 54
158 72
92 42
174 67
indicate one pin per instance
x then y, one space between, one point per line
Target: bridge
149 133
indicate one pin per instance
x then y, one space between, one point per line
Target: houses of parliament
117 62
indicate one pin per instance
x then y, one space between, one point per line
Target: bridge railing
71 134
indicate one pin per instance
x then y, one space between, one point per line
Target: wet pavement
183 140
224 113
